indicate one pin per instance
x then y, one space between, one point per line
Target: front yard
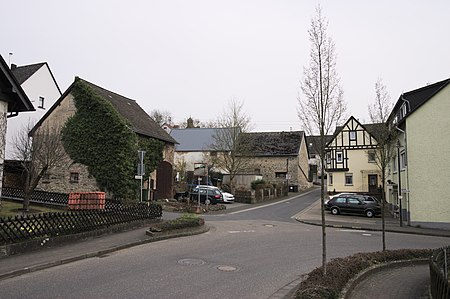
11 209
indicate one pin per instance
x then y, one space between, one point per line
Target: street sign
138 177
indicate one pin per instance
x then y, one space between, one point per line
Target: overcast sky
190 57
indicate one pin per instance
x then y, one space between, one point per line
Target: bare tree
322 107
233 156
161 117
38 153
379 112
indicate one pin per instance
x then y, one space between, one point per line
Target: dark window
280 175
348 179
41 103
371 156
339 157
74 177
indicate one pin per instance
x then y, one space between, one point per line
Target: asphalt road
246 254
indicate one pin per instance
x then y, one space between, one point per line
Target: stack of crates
86 201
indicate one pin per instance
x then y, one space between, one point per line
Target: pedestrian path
404 282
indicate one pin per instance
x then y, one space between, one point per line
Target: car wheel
370 213
335 211
207 201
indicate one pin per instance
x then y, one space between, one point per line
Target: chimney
13 66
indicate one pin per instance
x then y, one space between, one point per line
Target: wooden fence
22 228
37 196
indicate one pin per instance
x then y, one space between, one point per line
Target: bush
184 221
341 270
256 183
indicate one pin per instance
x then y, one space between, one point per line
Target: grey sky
191 57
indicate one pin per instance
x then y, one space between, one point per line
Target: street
246 254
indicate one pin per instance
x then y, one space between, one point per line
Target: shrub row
341 270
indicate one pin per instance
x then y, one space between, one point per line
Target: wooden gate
164 181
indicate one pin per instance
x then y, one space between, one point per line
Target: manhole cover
191 262
227 268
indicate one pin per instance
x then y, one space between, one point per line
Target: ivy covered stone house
75 177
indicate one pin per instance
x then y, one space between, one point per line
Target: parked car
339 194
208 195
353 204
227 197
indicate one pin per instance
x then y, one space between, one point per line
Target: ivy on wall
100 138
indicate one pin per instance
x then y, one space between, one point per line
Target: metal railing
439 273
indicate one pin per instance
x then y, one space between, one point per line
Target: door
164 180
373 183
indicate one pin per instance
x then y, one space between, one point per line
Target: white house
41 88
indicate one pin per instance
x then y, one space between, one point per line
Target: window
371 156
46 178
41 103
257 171
403 161
74 177
404 111
340 200
349 179
352 135
394 164
339 157
353 201
280 175
330 179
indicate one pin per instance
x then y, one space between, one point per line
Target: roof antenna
9 59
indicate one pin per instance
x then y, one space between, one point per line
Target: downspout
408 220
406 154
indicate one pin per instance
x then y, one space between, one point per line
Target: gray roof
266 144
194 139
142 123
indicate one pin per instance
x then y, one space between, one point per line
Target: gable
352 135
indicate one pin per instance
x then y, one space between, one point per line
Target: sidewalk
312 215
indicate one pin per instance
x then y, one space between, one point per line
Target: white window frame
352 135
339 156
330 179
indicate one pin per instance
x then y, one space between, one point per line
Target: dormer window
41 103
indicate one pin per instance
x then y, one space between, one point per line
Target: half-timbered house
350 156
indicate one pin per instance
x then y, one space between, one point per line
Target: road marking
367 235
240 231
351 230
271 204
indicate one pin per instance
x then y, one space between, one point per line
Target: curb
374 229
157 237
350 286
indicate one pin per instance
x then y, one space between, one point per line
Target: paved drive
390 283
